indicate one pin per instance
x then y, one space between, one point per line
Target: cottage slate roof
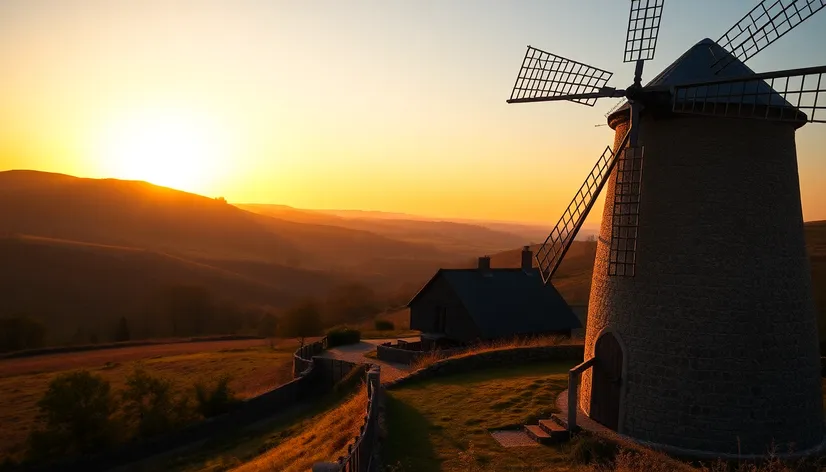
507 302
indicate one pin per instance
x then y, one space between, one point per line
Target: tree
21 332
302 320
215 400
76 412
122 332
350 303
150 404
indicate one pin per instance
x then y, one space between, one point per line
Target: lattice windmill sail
785 95
701 311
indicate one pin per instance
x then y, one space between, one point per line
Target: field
253 365
430 431
293 441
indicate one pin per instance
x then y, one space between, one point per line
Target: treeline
190 310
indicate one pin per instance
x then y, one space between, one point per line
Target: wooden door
606 381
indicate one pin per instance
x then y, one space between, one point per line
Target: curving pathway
355 353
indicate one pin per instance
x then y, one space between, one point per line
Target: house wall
718 324
460 325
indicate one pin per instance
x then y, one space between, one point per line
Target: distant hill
138 214
67 284
461 239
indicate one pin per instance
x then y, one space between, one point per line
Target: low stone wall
490 359
303 356
406 354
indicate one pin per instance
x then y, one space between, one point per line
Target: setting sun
168 148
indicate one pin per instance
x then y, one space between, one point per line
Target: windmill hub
701 323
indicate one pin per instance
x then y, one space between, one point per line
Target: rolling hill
461 239
138 214
69 284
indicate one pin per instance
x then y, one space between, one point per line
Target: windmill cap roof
695 65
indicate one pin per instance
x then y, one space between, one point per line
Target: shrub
151 406
216 400
384 325
77 413
587 449
342 336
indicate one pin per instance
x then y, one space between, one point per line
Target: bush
384 325
151 406
77 413
216 400
587 449
342 336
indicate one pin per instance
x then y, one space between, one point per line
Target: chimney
484 264
527 258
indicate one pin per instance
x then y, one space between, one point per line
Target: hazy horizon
395 107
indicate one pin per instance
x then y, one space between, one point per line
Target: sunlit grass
496 345
432 425
323 437
253 371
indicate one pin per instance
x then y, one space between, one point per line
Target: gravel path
355 353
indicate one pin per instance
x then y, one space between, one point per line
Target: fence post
573 377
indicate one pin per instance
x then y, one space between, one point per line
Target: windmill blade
558 242
763 25
545 75
786 95
643 28
604 92
625 217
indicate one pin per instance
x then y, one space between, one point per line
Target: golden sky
368 104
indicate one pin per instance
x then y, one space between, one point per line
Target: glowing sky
362 104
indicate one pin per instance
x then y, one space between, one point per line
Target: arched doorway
606 381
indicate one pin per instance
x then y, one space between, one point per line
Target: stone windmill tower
701 336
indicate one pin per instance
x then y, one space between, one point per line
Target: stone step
538 434
560 420
554 429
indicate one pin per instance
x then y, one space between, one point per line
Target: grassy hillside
456 238
138 214
253 366
67 284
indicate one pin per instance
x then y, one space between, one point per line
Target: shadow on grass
499 373
407 447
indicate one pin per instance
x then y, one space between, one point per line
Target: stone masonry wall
388 352
718 324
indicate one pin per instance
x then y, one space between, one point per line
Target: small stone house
459 306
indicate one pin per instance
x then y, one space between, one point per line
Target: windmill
701 326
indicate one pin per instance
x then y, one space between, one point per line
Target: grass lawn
293 442
254 369
442 424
